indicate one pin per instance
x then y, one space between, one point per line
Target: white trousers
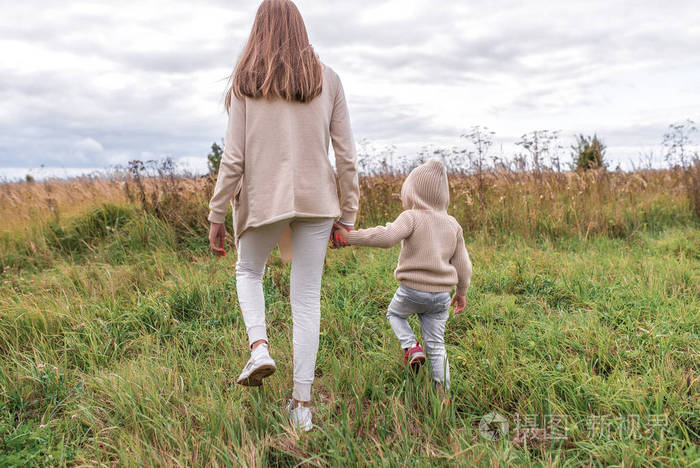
309 243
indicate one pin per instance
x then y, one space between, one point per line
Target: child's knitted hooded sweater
433 256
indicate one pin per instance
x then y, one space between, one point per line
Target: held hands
339 235
217 234
460 302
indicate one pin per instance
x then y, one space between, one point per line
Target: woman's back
281 149
288 172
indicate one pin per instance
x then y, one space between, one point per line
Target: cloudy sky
91 84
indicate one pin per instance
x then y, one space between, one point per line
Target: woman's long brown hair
278 61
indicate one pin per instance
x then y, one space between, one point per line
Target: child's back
428 255
433 257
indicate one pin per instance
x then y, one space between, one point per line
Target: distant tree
481 139
589 152
214 158
678 144
681 153
29 178
540 144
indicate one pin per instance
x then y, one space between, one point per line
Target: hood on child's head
426 188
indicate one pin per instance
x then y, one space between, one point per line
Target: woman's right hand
217 235
336 242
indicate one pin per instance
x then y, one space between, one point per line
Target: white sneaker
259 366
300 416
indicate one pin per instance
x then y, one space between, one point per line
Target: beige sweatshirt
275 164
433 256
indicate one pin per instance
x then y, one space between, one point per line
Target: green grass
119 346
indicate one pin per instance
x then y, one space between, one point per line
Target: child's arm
463 265
381 236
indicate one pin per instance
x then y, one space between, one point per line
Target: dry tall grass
30 203
551 204
529 203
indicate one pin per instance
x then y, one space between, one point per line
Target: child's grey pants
433 310
309 242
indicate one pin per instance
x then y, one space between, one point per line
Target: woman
284 108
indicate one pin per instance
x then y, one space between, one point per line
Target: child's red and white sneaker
414 357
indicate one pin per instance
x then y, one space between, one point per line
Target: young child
433 259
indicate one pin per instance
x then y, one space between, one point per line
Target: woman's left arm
232 163
345 157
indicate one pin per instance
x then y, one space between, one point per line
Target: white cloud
89 145
140 78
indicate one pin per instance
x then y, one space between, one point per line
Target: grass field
121 337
